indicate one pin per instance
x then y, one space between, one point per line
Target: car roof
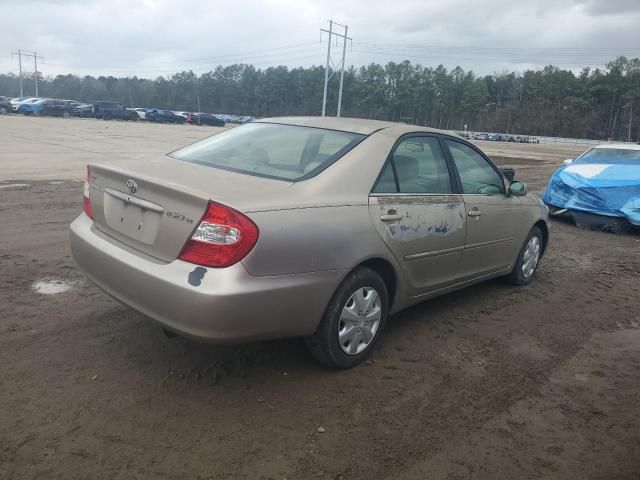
354 125
618 146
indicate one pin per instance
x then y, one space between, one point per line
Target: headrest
406 167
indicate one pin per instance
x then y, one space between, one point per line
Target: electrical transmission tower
327 76
23 53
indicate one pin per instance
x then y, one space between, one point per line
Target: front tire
353 321
528 259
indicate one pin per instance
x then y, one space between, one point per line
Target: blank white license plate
131 220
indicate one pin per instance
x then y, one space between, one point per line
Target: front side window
420 167
476 174
284 152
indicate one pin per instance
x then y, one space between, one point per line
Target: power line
501 49
531 55
263 60
479 59
240 56
569 56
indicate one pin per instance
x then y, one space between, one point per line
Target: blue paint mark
195 277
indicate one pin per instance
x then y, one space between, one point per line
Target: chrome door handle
474 213
391 217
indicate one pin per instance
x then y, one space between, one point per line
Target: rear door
493 218
419 215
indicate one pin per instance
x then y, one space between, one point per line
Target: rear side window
387 181
420 167
476 174
285 152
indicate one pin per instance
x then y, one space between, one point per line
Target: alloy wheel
359 320
530 257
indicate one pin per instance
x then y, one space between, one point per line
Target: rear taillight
86 200
223 237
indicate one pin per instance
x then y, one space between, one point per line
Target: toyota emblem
132 186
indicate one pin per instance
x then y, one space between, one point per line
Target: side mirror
518 189
568 161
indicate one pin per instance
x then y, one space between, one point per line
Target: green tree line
595 103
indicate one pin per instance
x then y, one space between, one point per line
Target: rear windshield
611 156
284 152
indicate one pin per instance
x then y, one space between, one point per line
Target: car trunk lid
155 207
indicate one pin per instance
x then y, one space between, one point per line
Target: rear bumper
225 305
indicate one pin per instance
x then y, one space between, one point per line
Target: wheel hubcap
359 320
531 257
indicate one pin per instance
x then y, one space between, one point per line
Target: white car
142 112
184 115
16 102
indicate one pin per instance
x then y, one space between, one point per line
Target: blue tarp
602 187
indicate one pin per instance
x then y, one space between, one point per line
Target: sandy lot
493 382
56 148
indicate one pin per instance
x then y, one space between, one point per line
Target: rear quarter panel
301 240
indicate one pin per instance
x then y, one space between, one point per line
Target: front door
493 220
418 215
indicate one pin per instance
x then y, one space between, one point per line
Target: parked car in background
163 116
5 105
598 188
141 112
312 227
185 115
206 119
33 107
59 108
16 102
83 110
113 110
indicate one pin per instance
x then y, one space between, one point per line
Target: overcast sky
159 37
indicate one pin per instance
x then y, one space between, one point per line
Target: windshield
284 152
610 156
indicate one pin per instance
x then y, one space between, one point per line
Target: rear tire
528 259
66 115
353 321
107 116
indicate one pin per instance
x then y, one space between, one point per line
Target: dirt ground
492 382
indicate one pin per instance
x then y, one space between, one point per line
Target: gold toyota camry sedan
312 227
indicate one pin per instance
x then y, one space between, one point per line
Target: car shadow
132 341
